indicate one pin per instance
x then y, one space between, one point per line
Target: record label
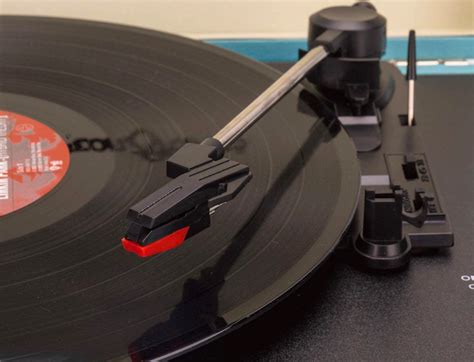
33 160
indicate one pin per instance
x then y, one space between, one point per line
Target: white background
249 19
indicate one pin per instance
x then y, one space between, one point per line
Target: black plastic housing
364 27
350 80
358 59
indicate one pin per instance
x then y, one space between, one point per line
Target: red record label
33 160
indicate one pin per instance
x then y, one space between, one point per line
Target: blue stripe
429 47
441 70
264 50
450 47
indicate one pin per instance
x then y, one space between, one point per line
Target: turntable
158 193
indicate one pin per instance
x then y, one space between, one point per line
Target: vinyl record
89 113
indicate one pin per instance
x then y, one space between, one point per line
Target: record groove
142 94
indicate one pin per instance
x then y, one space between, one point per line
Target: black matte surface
422 313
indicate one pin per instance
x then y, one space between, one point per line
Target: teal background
428 48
